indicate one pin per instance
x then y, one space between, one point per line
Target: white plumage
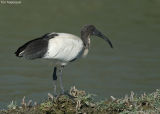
64 47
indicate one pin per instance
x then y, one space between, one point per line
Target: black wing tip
20 51
17 53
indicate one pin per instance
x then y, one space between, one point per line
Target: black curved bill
99 34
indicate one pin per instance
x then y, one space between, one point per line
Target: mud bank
78 101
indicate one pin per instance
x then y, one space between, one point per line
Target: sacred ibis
62 47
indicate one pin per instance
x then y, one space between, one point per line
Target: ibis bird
62 47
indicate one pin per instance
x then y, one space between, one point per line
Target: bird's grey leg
60 79
55 80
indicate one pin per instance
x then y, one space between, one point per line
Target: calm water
133 65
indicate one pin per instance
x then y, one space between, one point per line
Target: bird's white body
64 47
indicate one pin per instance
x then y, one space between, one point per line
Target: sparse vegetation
77 101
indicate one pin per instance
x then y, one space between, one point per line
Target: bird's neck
86 39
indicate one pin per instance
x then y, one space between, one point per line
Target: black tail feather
35 48
19 51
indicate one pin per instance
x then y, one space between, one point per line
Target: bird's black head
88 30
